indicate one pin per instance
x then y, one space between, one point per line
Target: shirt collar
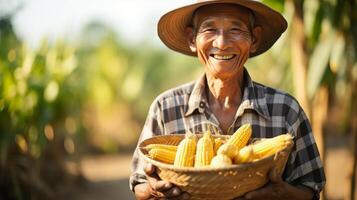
253 97
198 99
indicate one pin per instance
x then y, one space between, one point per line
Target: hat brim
172 25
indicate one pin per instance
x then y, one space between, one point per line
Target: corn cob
161 146
185 154
163 155
221 160
228 149
244 155
217 143
241 137
237 141
270 146
204 150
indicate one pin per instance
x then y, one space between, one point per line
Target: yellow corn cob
237 141
244 155
161 146
163 155
221 160
241 137
204 150
217 143
270 146
185 154
228 149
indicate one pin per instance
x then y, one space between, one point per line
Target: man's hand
156 188
278 189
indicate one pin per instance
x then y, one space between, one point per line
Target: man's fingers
252 195
183 196
149 169
162 186
157 187
269 190
172 192
143 191
259 193
154 180
274 176
167 190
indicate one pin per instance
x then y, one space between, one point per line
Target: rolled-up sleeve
153 126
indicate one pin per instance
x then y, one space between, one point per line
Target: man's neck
225 93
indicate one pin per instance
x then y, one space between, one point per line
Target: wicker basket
215 183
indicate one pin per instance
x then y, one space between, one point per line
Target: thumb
274 176
149 169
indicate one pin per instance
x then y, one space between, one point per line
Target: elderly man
223 34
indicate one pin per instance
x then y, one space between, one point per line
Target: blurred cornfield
66 99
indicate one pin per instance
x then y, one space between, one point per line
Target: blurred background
77 78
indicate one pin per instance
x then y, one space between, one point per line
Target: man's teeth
225 57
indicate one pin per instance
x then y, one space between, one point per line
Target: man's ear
191 38
256 39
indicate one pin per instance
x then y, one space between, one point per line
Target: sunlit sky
134 20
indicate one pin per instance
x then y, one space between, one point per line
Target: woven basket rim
208 168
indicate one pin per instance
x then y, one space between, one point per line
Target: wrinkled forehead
223 10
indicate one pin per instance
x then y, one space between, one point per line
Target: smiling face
223 37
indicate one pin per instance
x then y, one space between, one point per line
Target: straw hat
172 25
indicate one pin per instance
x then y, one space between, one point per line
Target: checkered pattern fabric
270 112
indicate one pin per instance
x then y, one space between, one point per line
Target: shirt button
202 104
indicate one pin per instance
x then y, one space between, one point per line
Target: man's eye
208 30
236 29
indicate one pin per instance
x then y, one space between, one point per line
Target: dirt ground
338 167
108 175
108 179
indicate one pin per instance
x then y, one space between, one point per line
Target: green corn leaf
277 5
318 63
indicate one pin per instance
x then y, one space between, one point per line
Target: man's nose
221 41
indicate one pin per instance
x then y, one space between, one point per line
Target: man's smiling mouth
222 57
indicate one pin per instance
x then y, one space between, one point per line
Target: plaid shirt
270 112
